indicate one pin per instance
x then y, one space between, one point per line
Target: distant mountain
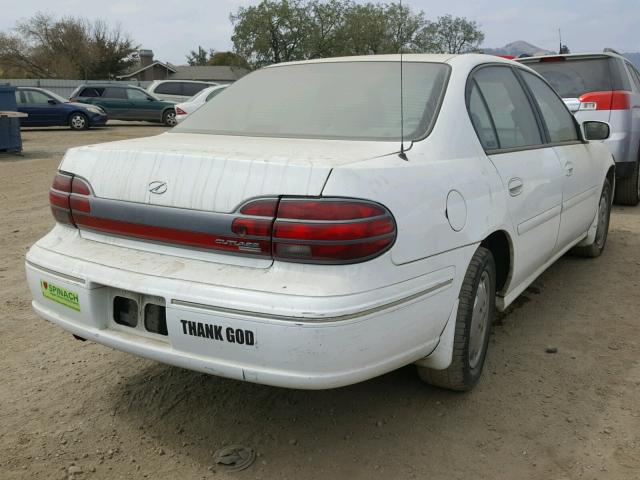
634 57
517 48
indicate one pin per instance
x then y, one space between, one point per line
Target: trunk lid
213 173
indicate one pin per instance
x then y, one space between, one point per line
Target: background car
46 109
604 87
177 90
126 102
195 102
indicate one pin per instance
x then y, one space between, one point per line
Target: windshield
574 78
335 100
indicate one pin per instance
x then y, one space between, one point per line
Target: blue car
46 109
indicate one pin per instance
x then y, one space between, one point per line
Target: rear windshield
335 100
574 78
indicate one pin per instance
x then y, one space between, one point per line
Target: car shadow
194 414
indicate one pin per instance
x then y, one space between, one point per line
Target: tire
169 118
477 295
78 121
604 214
628 189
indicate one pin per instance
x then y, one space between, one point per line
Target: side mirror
151 99
51 101
596 130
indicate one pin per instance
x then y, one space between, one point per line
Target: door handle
515 186
568 168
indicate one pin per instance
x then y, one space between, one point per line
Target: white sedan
197 101
313 230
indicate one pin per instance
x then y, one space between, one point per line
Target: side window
91 92
555 114
135 94
34 97
481 119
19 97
168 88
509 107
190 89
115 92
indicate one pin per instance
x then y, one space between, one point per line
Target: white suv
299 232
605 87
177 90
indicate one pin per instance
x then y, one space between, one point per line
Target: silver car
603 87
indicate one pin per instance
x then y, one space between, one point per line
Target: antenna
560 36
402 154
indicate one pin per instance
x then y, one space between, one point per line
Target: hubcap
602 220
171 119
78 121
479 320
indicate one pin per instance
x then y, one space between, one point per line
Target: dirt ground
68 406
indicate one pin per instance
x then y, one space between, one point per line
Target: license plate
60 295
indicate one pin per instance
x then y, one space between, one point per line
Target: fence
64 88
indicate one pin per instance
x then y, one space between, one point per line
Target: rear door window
556 116
168 88
213 94
512 114
634 76
573 78
481 119
115 92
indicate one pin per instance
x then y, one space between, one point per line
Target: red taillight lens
331 230
616 100
67 195
180 111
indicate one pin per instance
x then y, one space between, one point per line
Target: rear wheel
604 214
169 118
628 189
78 121
476 312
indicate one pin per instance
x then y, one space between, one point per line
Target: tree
227 59
284 30
44 46
564 50
452 35
271 32
199 57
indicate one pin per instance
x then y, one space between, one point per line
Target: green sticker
60 295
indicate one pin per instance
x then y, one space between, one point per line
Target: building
149 69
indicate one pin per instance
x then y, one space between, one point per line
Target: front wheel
78 121
602 220
476 313
169 118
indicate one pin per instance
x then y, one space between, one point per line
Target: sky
171 28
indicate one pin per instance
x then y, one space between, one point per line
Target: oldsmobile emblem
158 187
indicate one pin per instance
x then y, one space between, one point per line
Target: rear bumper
288 351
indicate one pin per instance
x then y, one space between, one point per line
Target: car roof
205 82
104 85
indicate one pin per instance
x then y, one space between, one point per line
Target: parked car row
328 225
91 105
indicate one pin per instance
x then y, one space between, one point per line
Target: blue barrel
10 139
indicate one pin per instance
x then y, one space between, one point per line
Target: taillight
180 111
331 230
616 100
69 194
